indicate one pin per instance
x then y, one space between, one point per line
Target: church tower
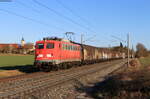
22 42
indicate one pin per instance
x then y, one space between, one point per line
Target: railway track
25 84
28 77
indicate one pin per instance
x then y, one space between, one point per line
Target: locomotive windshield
40 46
50 45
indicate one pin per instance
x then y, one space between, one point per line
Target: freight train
56 53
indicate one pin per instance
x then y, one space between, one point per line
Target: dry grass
12 64
129 84
125 85
145 61
9 73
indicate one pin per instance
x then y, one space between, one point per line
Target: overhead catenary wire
89 39
72 12
31 19
118 38
25 5
61 15
75 14
33 9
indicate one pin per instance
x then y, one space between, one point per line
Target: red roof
9 45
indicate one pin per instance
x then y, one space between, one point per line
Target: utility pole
128 43
81 39
128 46
82 55
132 51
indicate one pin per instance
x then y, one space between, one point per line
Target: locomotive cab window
50 45
40 46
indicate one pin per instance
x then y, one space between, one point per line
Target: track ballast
37 83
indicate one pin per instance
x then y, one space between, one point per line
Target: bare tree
141 50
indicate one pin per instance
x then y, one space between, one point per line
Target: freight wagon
56 53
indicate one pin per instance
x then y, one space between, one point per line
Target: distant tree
141 50
6 49
29 46
11 48
1 50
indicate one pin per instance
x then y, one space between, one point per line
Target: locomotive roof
56 39
84 45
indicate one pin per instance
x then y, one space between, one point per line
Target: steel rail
50 81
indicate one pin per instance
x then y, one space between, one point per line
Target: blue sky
104 18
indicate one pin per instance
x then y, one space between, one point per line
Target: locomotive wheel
45 68
68 65
63 67
55 68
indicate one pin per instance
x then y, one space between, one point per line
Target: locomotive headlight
49 55
40 55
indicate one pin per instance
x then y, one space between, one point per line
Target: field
11 65
11 60
145 61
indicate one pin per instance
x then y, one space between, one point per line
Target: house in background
9 45
26 48
23 48
8 48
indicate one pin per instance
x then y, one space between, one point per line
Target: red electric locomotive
55 53
50 53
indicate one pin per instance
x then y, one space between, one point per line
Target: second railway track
19 87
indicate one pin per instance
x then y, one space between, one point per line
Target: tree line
141 50
20 50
